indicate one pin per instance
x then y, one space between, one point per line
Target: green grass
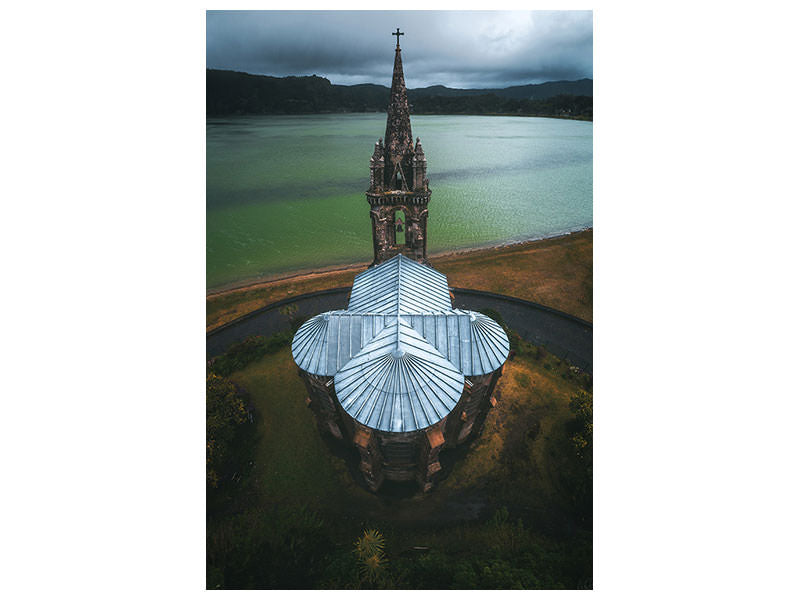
294 464
516 464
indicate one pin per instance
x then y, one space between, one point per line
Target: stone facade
398 182
412 456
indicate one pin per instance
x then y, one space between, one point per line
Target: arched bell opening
399 228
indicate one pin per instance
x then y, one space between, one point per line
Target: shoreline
258 282
425 114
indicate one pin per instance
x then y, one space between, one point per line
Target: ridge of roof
400 284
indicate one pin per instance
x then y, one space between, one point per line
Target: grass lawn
500 518
294 465
292 462
556 273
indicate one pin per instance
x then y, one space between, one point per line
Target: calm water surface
286 193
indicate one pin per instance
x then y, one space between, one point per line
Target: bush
239 355
581 425
225 413
578 474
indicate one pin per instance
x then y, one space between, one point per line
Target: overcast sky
456 49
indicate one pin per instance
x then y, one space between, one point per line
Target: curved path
562 334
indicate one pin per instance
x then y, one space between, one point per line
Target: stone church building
400 374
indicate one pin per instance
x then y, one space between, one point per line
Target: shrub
239 355
581 425
225 413
578 472
372 563
295 319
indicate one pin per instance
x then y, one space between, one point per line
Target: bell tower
398 192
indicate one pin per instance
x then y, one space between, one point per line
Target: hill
232 92
533 91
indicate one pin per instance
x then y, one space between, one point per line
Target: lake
286 193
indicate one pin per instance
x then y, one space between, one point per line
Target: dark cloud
457 49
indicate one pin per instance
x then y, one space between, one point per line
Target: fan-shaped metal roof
400 352
399 382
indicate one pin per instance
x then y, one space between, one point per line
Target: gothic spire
398 140
377 155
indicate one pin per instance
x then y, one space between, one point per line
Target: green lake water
286 193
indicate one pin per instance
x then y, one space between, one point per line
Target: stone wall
411 456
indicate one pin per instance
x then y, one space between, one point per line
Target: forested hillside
232 93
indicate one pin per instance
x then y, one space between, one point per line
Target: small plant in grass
372 561
505 535
295 319
288 310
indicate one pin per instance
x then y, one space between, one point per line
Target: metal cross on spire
398 33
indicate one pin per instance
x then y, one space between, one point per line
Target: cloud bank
472 49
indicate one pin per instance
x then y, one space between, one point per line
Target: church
400 374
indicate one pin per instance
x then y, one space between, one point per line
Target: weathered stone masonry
398 181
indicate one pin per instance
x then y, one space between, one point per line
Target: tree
579 471
225 413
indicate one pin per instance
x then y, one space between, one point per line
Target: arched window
399 228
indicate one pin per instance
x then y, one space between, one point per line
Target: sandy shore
260 282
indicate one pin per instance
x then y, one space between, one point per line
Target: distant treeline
234 93
563 105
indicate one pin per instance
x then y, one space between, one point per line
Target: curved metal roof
400 352
471 341
310 346
398 382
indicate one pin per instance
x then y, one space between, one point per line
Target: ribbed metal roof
471 341
400 284
400 352
326 343
398 382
